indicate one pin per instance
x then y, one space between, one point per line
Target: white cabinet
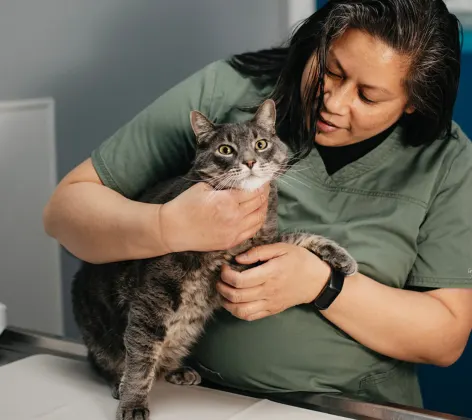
30 279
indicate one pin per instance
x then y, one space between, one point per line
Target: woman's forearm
98 225
401 324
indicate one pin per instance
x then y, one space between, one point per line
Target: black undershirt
335 158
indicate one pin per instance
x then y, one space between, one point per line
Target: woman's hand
202 219
291 276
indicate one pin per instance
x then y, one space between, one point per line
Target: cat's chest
199 288
199 299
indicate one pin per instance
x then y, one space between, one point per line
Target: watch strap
331 289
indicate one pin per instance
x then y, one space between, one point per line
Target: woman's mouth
326 126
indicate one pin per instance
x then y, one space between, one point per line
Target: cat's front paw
336 256
326 249
184 376
132 412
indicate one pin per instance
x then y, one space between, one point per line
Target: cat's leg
178 342
109 366
326 249
143 338
171 366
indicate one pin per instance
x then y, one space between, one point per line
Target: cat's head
242 155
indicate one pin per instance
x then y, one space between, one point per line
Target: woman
371 85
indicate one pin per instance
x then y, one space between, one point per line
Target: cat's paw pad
184 376
337 257
132 413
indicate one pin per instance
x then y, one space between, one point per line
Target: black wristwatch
331 289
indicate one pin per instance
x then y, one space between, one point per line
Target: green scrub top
404 213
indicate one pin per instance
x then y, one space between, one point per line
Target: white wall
297 10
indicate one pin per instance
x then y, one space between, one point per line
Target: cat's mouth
243 178
252 179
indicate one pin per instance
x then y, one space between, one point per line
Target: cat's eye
225 150
261 144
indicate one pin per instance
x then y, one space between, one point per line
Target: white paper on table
268 410
45 387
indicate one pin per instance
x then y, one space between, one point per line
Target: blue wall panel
449 389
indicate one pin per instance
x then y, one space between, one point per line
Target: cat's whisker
286 166
212 194
294 179
295 155
236 180
225 182
221 184
284 182
292 169
230 182
221 176
289 170
278 173
212 178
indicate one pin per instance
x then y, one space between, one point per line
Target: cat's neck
268 232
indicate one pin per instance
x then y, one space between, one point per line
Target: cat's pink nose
250 163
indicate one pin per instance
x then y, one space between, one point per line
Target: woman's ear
410 109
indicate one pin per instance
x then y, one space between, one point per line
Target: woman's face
364 92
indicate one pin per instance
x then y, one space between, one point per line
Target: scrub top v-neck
336 158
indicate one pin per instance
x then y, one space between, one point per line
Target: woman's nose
337 98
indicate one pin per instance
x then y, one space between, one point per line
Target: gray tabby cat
139 319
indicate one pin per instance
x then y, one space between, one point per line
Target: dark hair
422 29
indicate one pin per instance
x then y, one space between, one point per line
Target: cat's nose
249 163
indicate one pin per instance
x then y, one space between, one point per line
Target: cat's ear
200 124
266 115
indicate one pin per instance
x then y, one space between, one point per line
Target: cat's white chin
252 183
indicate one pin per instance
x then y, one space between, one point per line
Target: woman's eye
365 99
261 144
331 74
225 150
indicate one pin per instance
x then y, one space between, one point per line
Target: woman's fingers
245 310
258 202
251 277
263 253
233 295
